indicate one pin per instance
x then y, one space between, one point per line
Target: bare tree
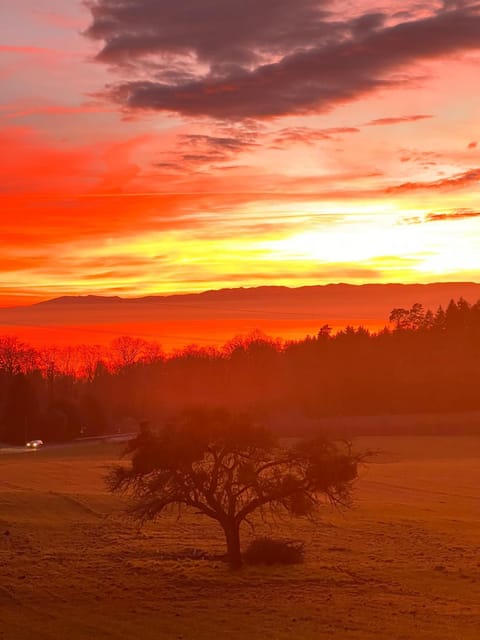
89 357
126 351
226 468
15 356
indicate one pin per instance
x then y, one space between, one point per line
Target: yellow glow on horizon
361 239
271 242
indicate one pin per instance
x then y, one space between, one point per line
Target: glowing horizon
339 145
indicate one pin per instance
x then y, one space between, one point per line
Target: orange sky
167 147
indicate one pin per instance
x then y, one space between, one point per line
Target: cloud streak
459 181
397 120
460 214
443 216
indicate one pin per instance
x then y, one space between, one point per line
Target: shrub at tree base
270 551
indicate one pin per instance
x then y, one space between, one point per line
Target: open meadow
404 563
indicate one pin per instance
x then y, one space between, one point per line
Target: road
115 437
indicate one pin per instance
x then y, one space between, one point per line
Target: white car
34 444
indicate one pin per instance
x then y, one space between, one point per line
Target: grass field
404 563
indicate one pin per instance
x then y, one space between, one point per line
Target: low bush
270 551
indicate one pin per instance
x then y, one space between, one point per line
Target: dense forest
423 361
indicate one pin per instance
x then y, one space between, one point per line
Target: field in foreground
403 563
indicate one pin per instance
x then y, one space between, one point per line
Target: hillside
212 317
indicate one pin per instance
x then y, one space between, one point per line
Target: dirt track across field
403 564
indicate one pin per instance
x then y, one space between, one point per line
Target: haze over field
402 564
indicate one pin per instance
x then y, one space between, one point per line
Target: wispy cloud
397 120
308 135
459 214
443 216
458 181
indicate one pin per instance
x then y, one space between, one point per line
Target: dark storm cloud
226 34
251 59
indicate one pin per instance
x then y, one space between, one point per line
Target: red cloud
456 214
397 120
307 135
459 214
455 182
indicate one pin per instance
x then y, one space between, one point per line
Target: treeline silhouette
423 362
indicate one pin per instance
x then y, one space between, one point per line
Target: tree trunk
232 536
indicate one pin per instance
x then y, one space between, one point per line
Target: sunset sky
156 146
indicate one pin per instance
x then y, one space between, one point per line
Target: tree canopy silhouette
426 361
225 467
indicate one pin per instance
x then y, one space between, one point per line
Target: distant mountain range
212 317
